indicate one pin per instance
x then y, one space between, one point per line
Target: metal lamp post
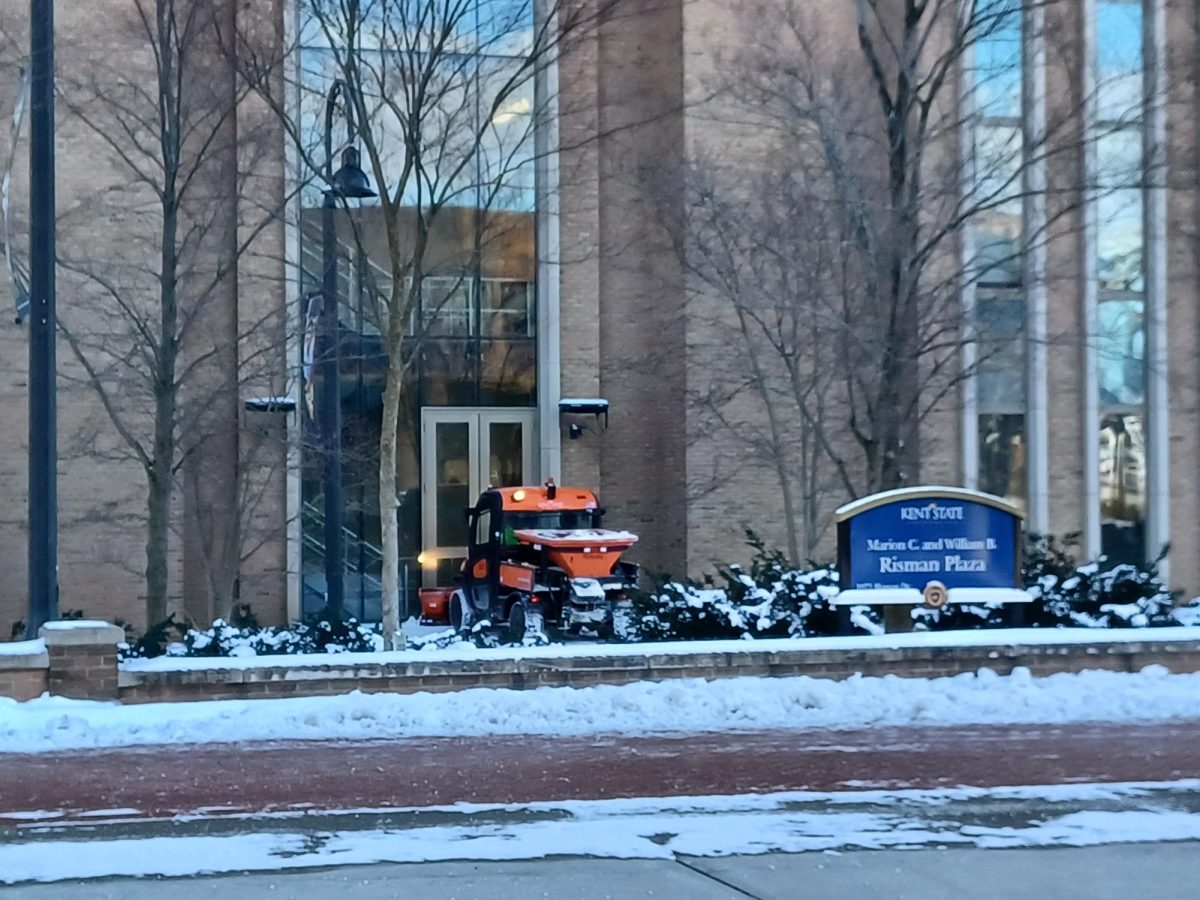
347 182
43 438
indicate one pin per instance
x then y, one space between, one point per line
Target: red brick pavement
166 781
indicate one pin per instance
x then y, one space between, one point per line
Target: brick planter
343 674
82 659
23 676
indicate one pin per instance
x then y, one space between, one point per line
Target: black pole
331 382
43 443
331 413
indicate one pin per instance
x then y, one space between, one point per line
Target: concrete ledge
80 633
344 674
23 655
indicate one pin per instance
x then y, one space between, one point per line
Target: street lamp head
350 181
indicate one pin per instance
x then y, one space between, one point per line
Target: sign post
928 546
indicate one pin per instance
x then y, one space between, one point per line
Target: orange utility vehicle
537 557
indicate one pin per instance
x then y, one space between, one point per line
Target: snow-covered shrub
770 599
317 635
1101 595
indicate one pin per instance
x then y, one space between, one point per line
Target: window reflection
506 454
1000 321
507 373
446 307
998 223
997 50
1119 242
506 309
1123 488
471 334
448 372
1122 353
1002 456
1119 63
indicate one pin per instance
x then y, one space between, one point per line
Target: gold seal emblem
935 595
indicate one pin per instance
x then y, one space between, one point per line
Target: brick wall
22 678
579 671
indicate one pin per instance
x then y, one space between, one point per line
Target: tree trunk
162 462
157 545
387 501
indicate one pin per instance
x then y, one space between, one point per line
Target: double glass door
463 452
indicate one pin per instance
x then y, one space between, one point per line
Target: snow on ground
982 637
677 706
653 828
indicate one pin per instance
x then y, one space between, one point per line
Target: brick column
83 659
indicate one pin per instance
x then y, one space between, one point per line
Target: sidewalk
187 780
1118 872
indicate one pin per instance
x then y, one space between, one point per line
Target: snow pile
684 706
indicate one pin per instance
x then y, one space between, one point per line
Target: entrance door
463 452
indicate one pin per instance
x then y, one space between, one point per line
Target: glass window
506 309
483 527
508 373
997 50
1000 324
446 306
1122 352
448 372
1119 63
453 489
477 148
998 223
506 457
506 27
1123 488
1119 158
1002 456
1119 240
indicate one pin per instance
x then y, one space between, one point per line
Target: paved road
168 781
1162 871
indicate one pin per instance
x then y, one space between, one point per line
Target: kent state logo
931 512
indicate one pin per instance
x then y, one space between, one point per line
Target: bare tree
157 341
443 91
832 243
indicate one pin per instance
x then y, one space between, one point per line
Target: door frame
479 447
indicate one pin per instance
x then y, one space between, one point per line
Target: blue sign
910 537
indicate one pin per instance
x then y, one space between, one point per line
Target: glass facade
997 231
470 192
1120 246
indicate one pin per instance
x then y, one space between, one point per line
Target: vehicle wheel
462 617
524 623
516 623
535 627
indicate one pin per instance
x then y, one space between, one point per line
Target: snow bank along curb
678 706
89 671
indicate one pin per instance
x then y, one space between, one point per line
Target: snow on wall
23 648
